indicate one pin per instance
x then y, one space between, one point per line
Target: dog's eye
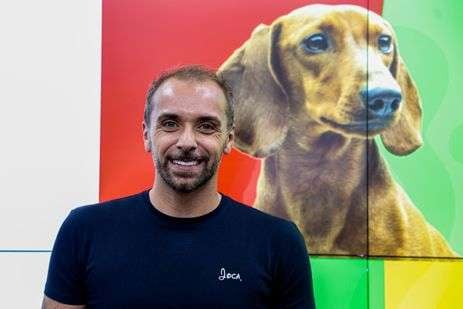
316 43
385 43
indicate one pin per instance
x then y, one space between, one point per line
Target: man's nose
187 140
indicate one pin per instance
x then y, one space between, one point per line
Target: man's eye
169 124
206 128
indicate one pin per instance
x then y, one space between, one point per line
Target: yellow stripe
423 284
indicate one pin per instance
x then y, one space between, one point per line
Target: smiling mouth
186 162
185 168
370 126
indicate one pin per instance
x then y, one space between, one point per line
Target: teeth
185 163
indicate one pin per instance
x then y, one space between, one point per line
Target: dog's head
333 68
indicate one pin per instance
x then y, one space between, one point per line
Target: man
180 244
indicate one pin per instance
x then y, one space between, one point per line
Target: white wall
50 60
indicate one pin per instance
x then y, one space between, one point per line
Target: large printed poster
346 123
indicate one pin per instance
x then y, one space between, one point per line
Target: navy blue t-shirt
126 254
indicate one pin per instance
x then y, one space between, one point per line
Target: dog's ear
261 107
404 136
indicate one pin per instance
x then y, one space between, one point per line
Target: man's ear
404 136
230 141
146 137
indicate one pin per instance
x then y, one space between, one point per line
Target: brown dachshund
312 91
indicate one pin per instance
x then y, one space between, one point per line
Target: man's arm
49 303
65 285
294 287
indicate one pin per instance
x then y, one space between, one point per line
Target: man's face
188 132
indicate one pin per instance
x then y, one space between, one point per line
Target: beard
187 183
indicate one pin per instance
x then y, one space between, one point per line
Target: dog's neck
326 173
326 153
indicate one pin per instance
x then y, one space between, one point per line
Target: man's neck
184 205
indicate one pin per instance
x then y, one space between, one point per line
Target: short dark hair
190 73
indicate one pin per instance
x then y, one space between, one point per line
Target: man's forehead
193 98
174 87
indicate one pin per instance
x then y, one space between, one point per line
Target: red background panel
141 38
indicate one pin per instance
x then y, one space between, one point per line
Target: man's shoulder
260 219
105 209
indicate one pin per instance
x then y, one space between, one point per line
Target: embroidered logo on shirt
228 276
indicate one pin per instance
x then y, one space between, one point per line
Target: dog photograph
315 92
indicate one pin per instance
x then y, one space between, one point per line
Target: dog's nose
381 102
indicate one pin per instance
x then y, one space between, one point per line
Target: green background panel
340 282
431 43
376 283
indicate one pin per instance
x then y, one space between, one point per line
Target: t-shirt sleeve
65 280
293 282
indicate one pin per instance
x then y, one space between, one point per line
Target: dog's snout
381 102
